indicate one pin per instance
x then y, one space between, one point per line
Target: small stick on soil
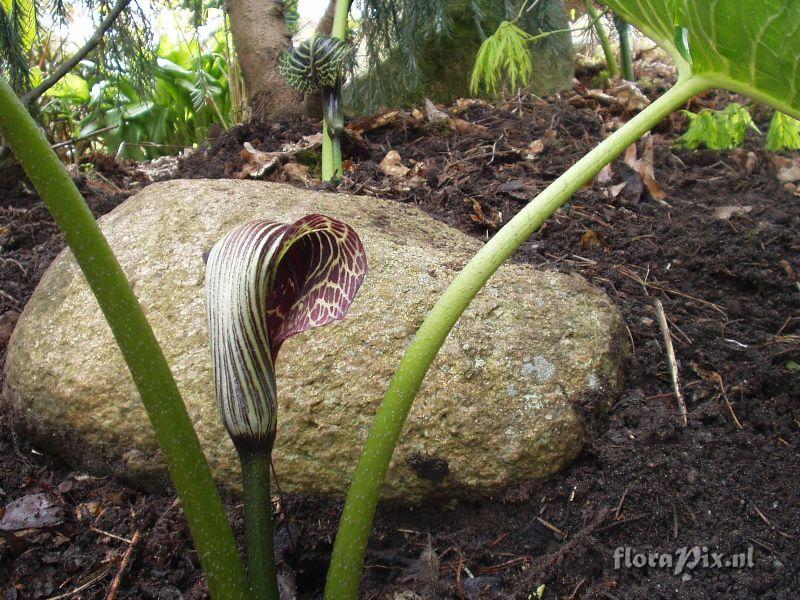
80 588
574 593
619 506
552 528
123 566
672 363
718 378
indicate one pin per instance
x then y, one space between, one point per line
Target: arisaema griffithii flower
265 282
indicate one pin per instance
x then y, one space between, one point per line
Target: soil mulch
728 483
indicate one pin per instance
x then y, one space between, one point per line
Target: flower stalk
265 282
317 65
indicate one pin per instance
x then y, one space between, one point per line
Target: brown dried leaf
746 160
392 165
534 149
630 97
467 128
644 167
590 239
787 169
630 157
297 172
433 114
31 512
605 175
362 126
723 213
478 216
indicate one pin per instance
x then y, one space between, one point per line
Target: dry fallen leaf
478 216
392 165
467 128
31 512
297 172
630 156
463 104
644 167
723 213
534 149
746 160
601 97
259 163
605 175
630 97
361 126
787 169
435 115
590 239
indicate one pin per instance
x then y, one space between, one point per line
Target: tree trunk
260 34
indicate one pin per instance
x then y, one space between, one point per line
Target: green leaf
784 133
792 365
747 46
717 129
71 87
503 56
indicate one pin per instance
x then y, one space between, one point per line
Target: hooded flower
265 282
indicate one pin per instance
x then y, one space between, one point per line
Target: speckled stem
332 139
151 374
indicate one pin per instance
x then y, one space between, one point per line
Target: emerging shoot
265 282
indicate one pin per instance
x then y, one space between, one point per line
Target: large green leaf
747 46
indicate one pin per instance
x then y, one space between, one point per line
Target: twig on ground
718 378
619 506
123 566
657 286
672 363
92 580
551 527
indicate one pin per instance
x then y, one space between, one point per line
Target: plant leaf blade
748 47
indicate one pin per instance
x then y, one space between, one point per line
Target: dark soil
729 289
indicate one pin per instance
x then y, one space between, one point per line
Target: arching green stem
331 137
362 498
258 525
151 374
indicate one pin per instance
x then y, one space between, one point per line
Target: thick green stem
625 53
258 525
362 498
173 429
605 43
331 137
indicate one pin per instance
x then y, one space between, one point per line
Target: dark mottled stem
258 525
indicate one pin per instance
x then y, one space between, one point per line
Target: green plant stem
173 429
258 525
625 53
605 43
362 498
331 137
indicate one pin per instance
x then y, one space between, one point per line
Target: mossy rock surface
497 407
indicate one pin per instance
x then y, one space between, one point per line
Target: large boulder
498 405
